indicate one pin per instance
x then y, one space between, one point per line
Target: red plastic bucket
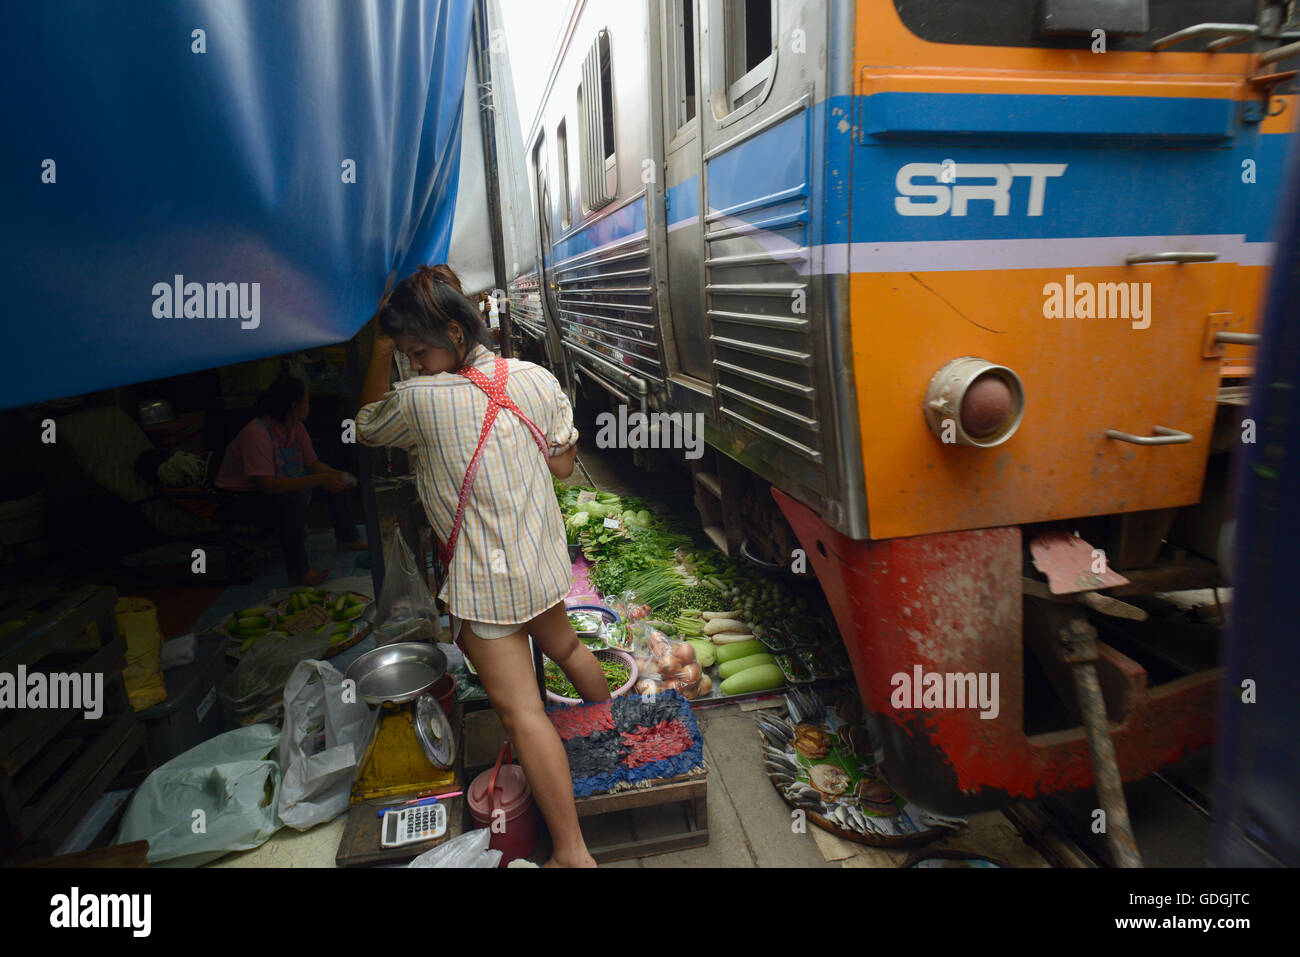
444 689
504 789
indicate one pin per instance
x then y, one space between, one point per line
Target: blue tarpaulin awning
192 183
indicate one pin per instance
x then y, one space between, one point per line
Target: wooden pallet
55 763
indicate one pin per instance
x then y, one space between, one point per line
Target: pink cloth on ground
582 592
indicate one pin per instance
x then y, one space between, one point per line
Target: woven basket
604 654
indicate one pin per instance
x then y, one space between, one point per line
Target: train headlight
972 401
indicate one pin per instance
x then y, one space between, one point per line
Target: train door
545 255
760 68
682 186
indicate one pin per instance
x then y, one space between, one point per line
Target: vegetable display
250 625
725 625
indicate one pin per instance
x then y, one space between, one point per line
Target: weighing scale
412 749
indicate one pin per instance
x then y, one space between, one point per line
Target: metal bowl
398 672
156 412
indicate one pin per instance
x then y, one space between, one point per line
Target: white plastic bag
322 743
468 850
217 797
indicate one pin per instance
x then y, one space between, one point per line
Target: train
963 299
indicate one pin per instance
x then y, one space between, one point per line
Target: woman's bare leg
505 667
555 635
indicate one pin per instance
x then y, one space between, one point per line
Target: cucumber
243 620
736 665
740 649
758 678
257 611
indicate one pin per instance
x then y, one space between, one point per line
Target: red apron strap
498 399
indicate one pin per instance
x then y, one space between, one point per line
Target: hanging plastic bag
321 746
219 796
406 610
468 850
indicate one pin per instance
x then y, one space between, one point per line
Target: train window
749 45
1019 23
684 59
566 198
606 99
596 163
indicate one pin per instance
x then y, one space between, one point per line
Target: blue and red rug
629 740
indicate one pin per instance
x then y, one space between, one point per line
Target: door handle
1163 436
1170 257
1238 338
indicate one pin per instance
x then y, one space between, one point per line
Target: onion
684 654
691 673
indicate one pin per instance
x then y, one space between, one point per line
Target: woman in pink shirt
272 468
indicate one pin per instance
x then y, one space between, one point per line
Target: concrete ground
749 824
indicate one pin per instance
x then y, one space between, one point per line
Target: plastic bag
468 850
627 606
217 797
137 620
405 610
662 663
322 743
251 694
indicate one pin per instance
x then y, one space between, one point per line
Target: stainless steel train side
683 263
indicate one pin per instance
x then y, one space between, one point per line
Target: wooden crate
54 762
483 737
691 793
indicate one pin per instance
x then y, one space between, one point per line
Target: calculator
414 824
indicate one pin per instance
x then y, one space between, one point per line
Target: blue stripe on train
1112 186
895 115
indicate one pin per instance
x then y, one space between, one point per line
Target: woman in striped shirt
487 435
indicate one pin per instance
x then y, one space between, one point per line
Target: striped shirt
511 561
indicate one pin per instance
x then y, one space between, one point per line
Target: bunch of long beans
557 682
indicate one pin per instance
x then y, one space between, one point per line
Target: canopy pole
487 119
365 467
